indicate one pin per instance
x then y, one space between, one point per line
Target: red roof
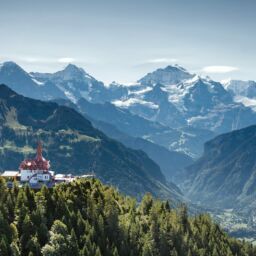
39 163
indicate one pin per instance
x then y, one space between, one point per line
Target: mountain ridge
226 172
170 162
182 102
75 145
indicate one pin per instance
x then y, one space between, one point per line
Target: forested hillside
225 176
86 218
74 146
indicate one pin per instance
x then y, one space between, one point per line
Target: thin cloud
66 60
36 59
31 59
162 60
219 69
40 59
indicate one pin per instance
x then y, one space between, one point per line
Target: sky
118 40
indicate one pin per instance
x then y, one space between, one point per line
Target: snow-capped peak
242 91
10 65
10 68
226 82
175 66
166 76
115 84
73 69
72 72
193 79
240 88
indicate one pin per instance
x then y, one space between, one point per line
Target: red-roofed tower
38 167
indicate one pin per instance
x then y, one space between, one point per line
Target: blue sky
122 40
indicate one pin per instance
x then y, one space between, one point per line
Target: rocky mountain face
74 146
225 176
197 102
169 75
170 106
74 83
171 163
184 140
123 119
242 91
167 110
223 181
26 84
240 88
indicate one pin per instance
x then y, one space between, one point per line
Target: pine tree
96 220
43 234
98 253
3 248
14 232
146 204
60 241
73 243
115 252
174 252
4 228
15 251
27 232
33 246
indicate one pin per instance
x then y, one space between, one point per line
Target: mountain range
183 109
125 127
242 91
225 176
197 102
192 127
74 146
224 180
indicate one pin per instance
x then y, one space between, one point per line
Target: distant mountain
153 104
26 84
171 163
166 76
240 88
75 83
242 91
225 176
150 99
170 106
125 121
197 102
74 146
187 140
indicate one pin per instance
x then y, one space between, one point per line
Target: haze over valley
127 128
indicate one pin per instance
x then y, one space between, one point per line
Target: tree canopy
87 218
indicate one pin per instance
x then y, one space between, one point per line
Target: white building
36 171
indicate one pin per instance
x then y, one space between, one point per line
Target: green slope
86 218
73 145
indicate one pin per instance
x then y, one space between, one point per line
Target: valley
177 118
127 128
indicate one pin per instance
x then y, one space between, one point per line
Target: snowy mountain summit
166 76
72 72
175 97
170 96
242 91
74 83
